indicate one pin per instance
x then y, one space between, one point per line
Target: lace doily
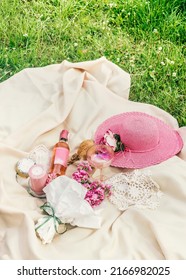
41 155
135 189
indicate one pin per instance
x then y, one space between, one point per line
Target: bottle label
61 156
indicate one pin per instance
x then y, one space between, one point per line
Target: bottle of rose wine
60 155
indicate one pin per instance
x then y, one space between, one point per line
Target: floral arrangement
97 191
113 140
65 205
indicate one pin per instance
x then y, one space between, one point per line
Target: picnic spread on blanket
85 173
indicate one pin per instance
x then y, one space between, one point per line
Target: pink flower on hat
113 140
109 139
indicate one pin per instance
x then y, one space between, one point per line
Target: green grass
145 38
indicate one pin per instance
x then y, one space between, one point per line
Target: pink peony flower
96 190
80 176
84 165
109 139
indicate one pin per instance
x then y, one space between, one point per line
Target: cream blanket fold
35 105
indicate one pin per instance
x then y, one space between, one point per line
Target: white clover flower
155 31
160 49
169 61
163 63
75 44
112 5
174 74
25 35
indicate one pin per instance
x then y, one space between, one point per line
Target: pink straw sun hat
138 139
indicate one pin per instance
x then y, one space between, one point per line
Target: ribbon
56 220
123 153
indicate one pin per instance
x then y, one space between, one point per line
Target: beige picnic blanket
35 105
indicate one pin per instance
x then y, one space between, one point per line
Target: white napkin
46 231
66 196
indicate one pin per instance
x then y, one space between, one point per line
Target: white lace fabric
41 155
134 189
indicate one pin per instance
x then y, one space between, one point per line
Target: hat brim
170 143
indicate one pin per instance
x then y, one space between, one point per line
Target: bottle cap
64 134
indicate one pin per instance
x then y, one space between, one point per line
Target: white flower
112 5
110 140
169 61
174 74
163 63
155 31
